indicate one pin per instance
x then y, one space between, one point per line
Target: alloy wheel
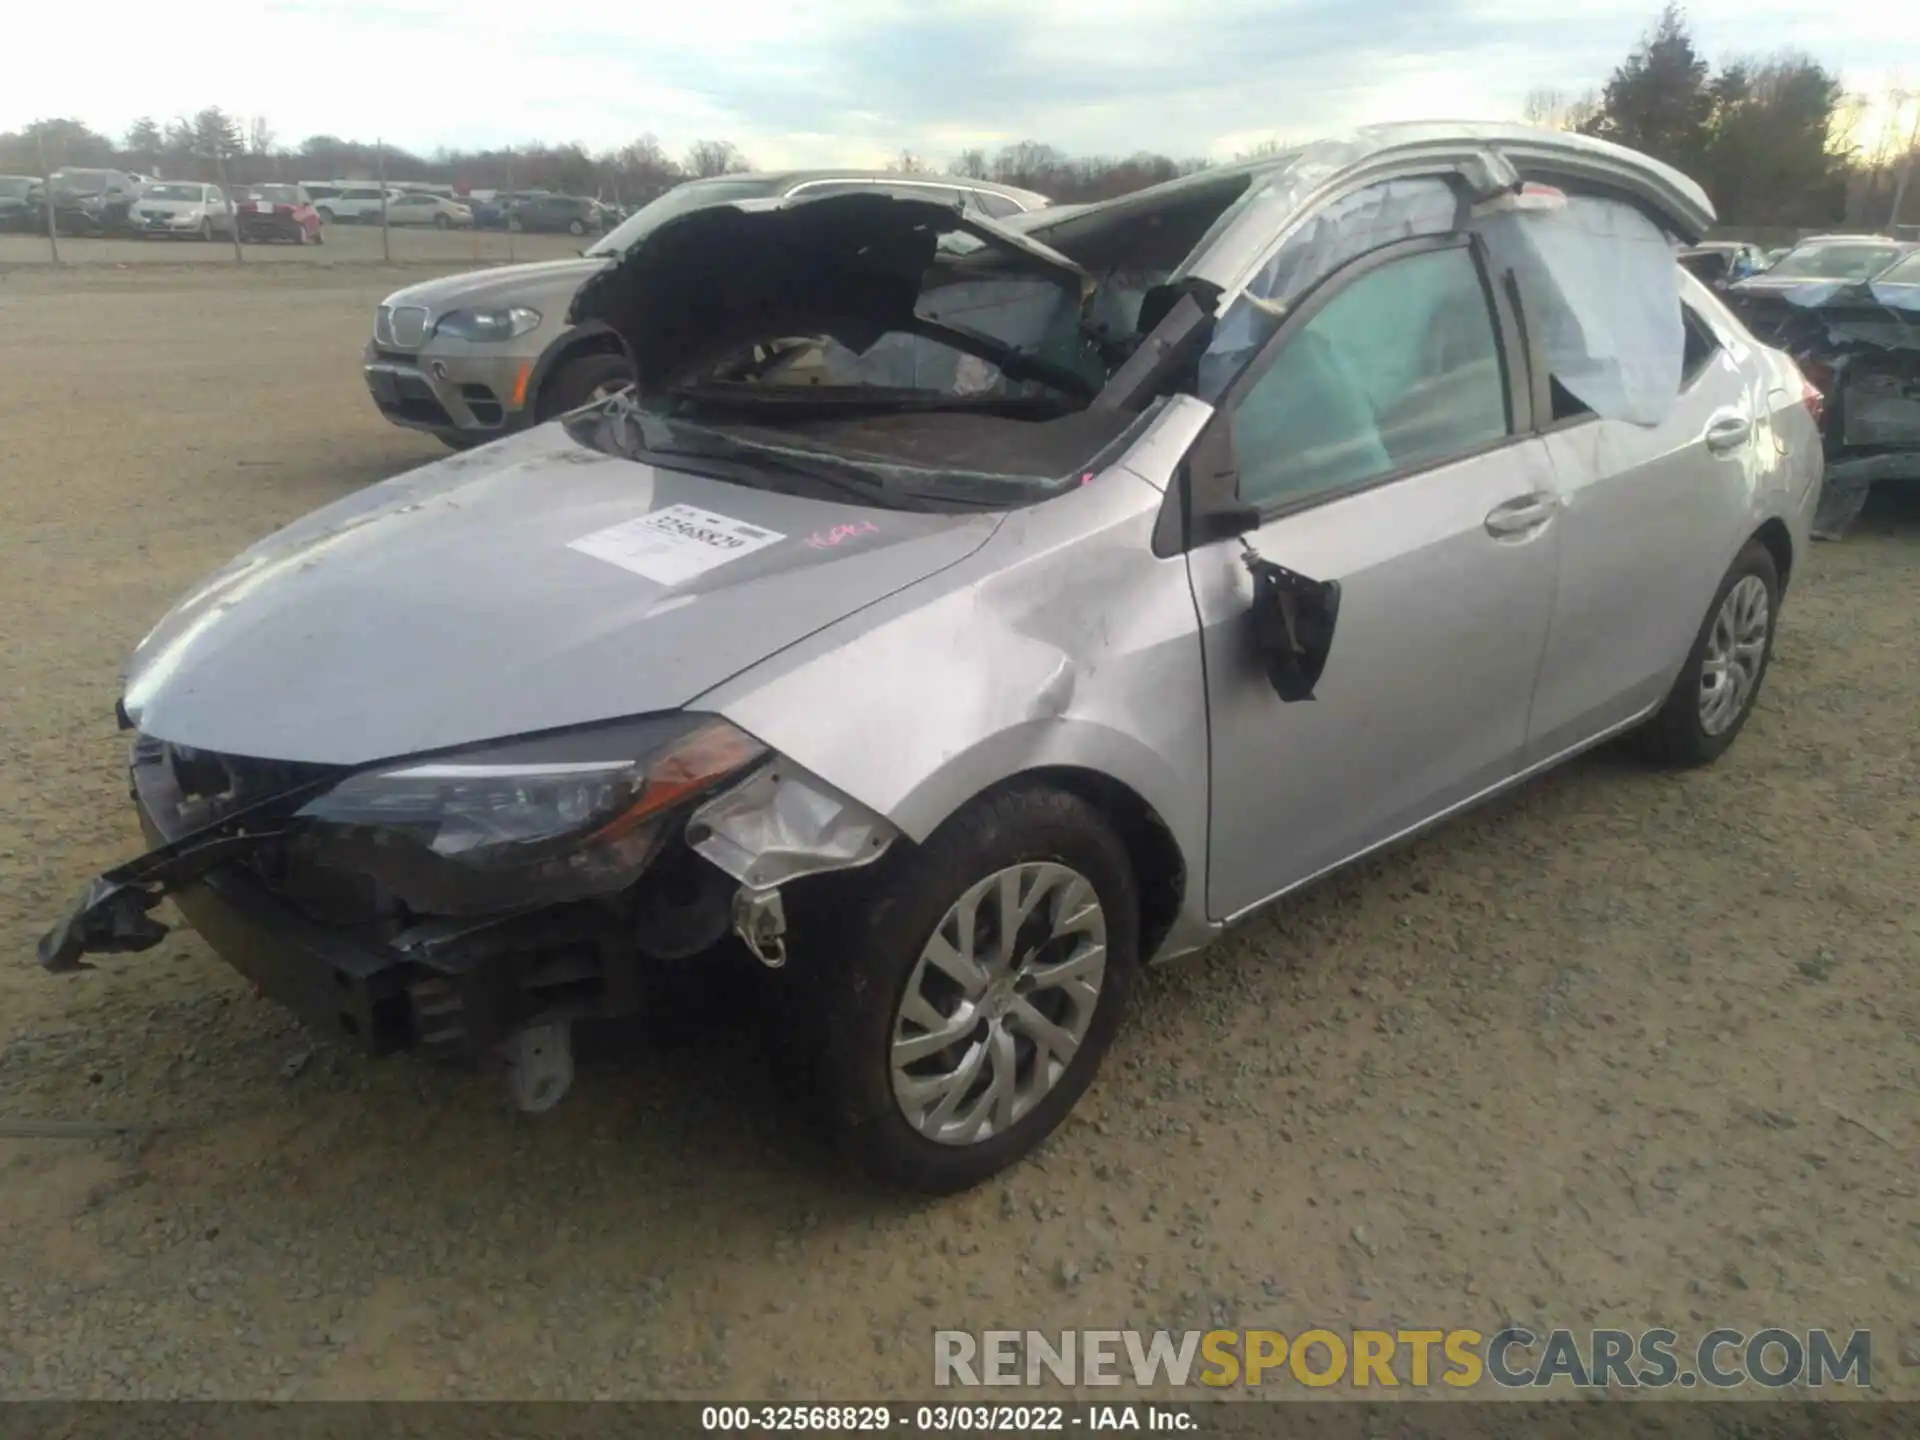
998 1003
1736 646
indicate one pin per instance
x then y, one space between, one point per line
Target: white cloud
859 80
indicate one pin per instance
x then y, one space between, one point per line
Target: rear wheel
963 1006
582 381
1717 687
441 222
576 227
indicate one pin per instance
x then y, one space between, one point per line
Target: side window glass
1701 345
1333 236
1400 369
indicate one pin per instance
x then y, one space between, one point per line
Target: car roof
1280 185
788 179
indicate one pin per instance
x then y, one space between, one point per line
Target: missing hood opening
850 267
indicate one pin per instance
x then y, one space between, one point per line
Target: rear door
1382 439
1644 539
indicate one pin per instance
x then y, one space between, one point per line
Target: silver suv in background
474 356
350 203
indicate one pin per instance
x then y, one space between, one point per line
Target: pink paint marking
840 534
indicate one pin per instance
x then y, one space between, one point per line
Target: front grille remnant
402 326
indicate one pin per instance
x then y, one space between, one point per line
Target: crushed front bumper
453 990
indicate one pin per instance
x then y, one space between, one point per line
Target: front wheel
205 233
441 222
964 1006
582 381
326 215
576 227
1720 681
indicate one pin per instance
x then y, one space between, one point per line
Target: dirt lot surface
1624 1049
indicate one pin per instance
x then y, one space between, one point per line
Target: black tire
326 215
441 222
1676 736
864 953
205 233
454 440
576 227
319 235
573 384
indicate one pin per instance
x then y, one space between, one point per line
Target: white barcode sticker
674 545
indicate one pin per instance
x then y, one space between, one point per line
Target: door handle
1522 513
1728 432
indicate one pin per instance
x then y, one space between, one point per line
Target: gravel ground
1623 1049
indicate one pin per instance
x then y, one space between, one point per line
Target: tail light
1814 378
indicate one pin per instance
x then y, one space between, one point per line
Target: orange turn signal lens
710 754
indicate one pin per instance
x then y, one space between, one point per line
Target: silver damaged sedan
957 615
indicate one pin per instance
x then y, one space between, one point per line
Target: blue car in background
491 213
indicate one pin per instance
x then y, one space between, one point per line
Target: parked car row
953 604
112 202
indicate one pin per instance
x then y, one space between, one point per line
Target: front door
1377 435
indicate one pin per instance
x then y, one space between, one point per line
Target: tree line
1771 138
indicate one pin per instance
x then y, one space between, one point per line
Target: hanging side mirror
1293 621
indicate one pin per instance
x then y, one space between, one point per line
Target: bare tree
1272 145
908 163
1554 110
260 136
706 158
1543 106
970 165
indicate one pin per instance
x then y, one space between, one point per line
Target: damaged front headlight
527 823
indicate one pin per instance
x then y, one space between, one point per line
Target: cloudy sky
855 81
